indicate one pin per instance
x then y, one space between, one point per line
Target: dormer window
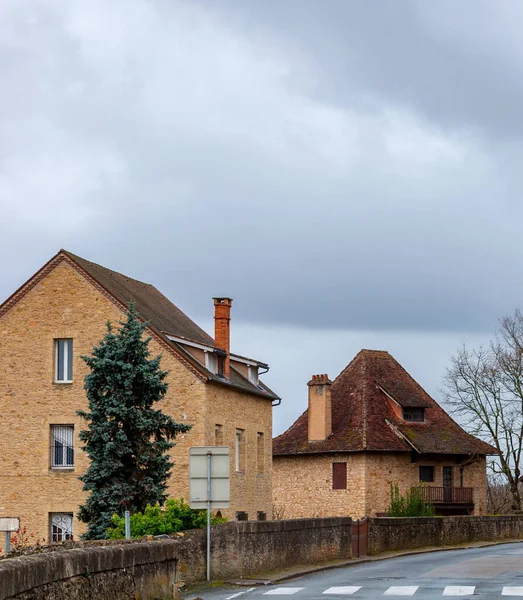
414 414
211 362
253 375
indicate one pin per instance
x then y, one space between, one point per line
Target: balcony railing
448 494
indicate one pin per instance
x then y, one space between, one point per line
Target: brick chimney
222 329
320 408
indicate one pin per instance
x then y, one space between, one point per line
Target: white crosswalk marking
401 590
459 590
512 591
283 591
344 590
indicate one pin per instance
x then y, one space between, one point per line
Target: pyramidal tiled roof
363 417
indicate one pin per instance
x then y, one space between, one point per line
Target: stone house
60 314
371 427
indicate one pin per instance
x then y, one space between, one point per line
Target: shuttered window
339 476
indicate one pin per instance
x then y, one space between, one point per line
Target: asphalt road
489 572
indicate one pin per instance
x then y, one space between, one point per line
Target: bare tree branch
483 388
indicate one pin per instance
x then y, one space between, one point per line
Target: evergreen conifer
127 440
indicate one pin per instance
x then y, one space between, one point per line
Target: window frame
239 450
64 537
67 465
252 375
67 360
423 480
414 410
218 434
260 452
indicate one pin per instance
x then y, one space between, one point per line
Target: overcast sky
348 171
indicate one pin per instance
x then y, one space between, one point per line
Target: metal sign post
9 525
209 484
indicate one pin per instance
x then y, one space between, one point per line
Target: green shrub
176 515
410 504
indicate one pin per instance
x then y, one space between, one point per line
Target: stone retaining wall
150 570
389 534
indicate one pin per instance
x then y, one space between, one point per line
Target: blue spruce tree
127 440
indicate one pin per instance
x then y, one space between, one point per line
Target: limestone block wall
388 534
65 305
302 486
149 570
251 488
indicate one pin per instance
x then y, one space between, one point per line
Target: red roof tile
363 417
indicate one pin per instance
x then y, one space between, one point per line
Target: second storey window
240 450
62 446
63 361
260 452
218 435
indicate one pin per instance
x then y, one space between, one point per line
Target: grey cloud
328 172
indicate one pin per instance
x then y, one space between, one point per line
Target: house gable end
63 257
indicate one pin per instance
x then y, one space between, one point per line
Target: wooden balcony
451 495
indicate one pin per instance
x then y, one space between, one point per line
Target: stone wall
389 534
65 305
302 485
146 570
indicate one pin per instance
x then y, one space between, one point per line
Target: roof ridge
75 257
414 381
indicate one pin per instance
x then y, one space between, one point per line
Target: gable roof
363 417
150 303
162 316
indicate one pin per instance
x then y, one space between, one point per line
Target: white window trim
253 375
66 361
60 516
211 362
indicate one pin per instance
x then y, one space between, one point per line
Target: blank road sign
9 524
220 476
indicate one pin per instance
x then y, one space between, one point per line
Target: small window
218 435
61 527
339 476
211 362
426 473
414 414
260 452
253 375
221 366
64 361
240 450
62 446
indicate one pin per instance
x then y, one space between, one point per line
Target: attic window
211 362
253 375
413 414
